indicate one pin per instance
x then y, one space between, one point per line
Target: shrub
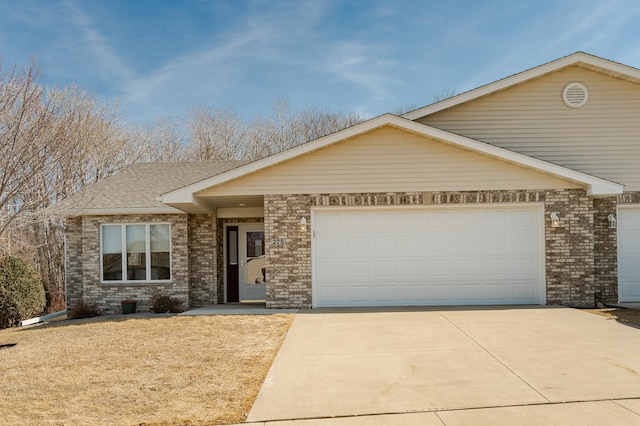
82 309
162 303
22 294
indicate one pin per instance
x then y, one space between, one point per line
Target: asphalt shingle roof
140 185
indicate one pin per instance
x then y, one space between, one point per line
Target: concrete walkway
248 308
453 366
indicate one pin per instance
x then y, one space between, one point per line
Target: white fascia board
185 194
573 59
595 186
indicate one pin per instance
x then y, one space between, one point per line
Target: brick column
73 260
569 249
288 265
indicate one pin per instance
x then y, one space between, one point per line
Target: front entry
245 262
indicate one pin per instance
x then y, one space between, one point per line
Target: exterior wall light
303 223
555 220
613 222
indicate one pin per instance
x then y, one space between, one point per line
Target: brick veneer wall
83 263
605 251
203 280
288 267
569 260
73 260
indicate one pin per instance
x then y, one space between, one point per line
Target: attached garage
629 253
428 256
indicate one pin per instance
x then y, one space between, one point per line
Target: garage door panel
355 224
356 269
385 293
467 267
357 294
526 292
408 269
386 269
411 293
629 254
440 242
411 222
384 243
429 257
438 268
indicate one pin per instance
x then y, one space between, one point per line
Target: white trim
125 281
630 206
578 58
421 207
595 186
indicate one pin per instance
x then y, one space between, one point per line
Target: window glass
160 254
112 252
233 247
255 244
136 252
145 249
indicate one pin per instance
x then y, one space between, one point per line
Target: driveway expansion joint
493 356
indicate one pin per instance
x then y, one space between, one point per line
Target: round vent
575 95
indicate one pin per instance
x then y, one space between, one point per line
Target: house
523 191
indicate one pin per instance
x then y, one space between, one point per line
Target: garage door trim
346 209
620 208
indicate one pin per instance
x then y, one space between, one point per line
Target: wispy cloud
94 47
287 40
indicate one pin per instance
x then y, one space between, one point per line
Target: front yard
137 371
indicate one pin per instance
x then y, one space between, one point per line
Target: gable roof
580 59
187 196
138 188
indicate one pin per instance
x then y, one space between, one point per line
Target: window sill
134 283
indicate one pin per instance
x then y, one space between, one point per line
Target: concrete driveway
449 366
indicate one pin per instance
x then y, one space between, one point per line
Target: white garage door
629 254
428 257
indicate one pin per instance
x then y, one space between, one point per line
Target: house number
278 242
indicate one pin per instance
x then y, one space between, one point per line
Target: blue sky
160 57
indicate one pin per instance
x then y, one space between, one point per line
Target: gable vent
575 95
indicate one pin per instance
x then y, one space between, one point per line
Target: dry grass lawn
140 371
624 316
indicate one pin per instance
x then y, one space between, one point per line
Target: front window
140 252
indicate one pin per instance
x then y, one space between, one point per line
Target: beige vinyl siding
602 138
388 159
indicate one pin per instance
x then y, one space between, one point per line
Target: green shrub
82 309
22 294
162 303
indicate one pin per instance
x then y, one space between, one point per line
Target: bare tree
30 143
164 141
215 133
286 128
52 143
444 94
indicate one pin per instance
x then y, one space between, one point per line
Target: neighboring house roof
185 198
580 59
137 189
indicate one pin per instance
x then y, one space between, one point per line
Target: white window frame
123 230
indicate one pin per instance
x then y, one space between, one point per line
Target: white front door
252 261
629 253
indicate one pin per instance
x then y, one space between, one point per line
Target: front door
251 272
